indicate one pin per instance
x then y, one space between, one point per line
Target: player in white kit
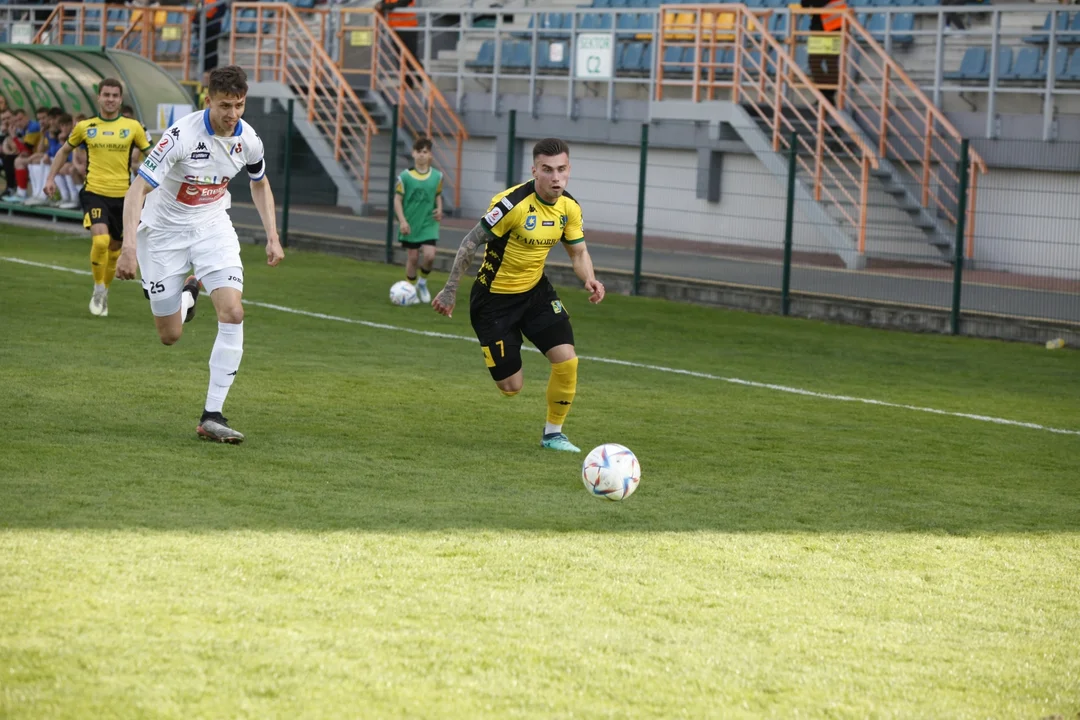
184 224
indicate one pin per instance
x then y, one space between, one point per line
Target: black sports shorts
500 320
104 210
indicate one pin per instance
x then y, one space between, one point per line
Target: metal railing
277 45
400 79
731 51
906 126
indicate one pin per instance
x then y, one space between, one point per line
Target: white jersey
191 167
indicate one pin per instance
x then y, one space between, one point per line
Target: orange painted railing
162 35
733 54
274 43
904 123
394 72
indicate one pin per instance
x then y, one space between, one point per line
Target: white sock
20 192
38 175
549 428
224 362
421 281
186 301
67 188
78 188
99 288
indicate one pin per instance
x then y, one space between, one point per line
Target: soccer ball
403 293
611 471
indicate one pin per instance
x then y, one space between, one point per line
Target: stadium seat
596 21
629 57
1042 38
1027 66
674 62
485 59
646 60
902 23
544 61
972 65
1072 68
626 24
517 55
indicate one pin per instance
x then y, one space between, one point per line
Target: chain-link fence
710 214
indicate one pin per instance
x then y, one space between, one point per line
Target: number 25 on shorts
489 361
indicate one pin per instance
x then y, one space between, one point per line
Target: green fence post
288 174
511 150
393 183
789 226
958 251
640 229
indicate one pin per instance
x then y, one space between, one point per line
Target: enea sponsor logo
202 190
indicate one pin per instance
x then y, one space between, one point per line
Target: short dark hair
42 109
110 82
66 119
550 147
126 109
55 112
422 143
18 111
228 80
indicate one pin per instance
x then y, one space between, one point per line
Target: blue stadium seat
1072 68
1061 61
1004 63
972 65
596 21
544 61
629 58
600 4
626 23
485 59
246 27
778 25
1042 38
517 55
802 58
646 22
673 60
1027 66
303 4
902 23
646 59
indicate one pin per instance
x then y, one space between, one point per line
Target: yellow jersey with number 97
108 152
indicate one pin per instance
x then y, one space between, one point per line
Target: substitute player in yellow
109 140
513 297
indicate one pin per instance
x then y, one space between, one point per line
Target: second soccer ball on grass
403 293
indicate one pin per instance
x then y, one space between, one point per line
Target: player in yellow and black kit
109 139
513 297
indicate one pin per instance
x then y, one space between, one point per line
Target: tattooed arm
447 297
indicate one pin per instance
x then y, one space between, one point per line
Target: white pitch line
626 363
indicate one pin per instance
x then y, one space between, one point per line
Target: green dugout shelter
67 76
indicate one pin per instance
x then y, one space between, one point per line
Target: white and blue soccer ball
403 293
611 471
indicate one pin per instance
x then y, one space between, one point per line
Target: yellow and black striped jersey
526 229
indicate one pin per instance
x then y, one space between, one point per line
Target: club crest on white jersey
191 167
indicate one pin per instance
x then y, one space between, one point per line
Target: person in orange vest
825 68
402 21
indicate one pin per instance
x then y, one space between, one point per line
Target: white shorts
165 259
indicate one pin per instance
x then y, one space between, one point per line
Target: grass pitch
392 542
